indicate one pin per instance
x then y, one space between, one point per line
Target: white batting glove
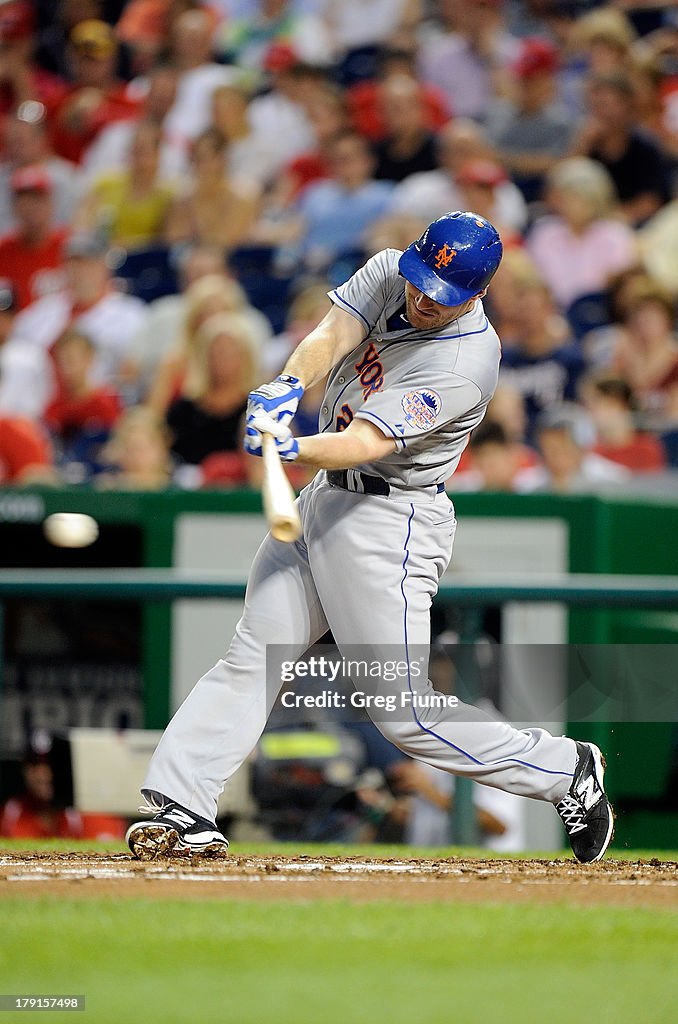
286 443
279 399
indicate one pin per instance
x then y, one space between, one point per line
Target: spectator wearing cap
52 51
33 253
408 146
191 53
281 114
579 245
91 302
27 144
610 135
612 407
565 439
20 78
132 205
542 363
464 52
26 374
96 97
430 194
246 40
532 130
478 182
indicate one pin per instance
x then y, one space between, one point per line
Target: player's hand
286 443
279 399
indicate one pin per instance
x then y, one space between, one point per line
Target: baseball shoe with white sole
585 810
174 831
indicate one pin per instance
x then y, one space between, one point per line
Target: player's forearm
313 358
344 450
336 335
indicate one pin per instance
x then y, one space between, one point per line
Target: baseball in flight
70 529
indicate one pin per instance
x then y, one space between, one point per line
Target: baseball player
412 362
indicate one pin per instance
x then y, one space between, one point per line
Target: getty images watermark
328 670
530 683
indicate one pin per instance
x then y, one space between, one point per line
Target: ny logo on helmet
444 256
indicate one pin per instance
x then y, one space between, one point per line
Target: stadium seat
266 289
587 313
147 273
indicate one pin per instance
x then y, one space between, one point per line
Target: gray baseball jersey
367 566
426 389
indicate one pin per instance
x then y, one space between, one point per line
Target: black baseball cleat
586 811
174 831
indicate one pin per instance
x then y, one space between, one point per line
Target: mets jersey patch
421 408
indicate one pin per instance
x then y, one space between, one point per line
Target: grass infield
333 962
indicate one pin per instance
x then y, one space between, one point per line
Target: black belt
370 484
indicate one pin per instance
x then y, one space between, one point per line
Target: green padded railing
471 593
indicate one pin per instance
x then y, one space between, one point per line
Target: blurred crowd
181 182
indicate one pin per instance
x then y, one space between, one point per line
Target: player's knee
406 735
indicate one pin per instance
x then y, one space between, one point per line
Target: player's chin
424 320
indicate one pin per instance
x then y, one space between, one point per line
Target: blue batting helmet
454 259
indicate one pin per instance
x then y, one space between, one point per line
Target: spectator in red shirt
364 99
494 461
408 146
20 79
91 300
82 413
326 112
39 811
25 453
36 813
97 98
33 254
612 407
26 143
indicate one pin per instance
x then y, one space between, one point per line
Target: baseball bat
279 507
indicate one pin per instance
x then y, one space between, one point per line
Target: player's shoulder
479 352
387 260
379 270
